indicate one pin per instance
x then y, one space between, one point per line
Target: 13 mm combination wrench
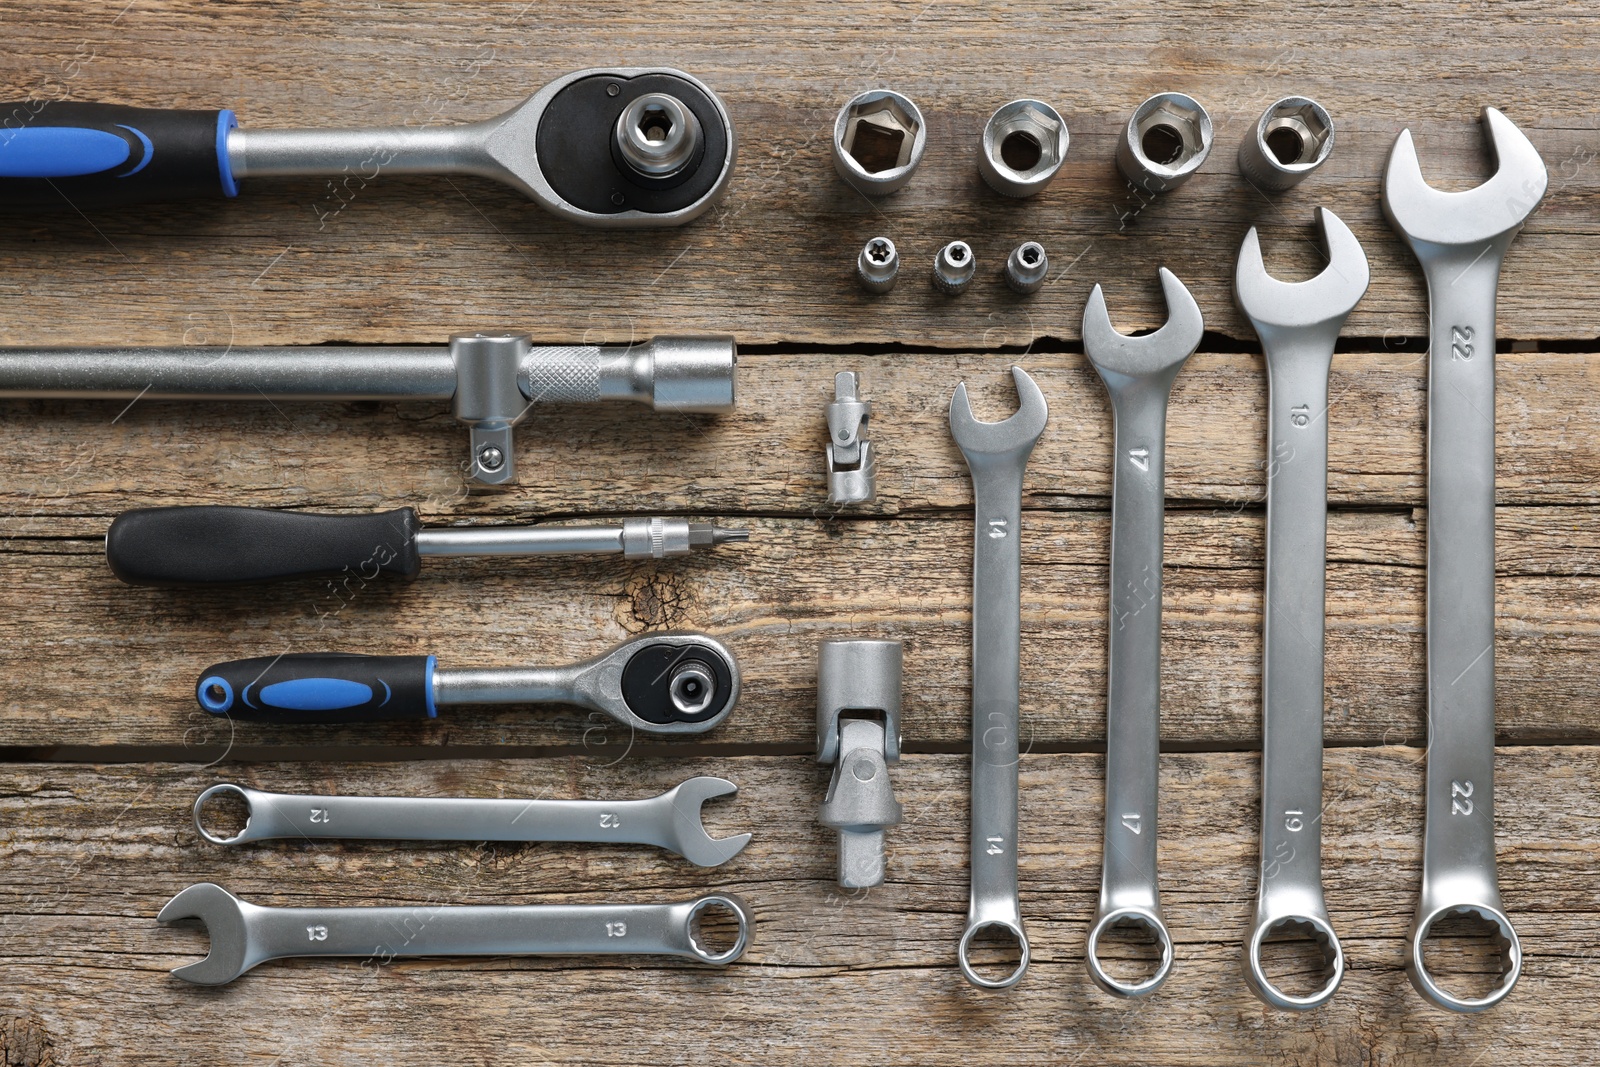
1461 239
1298 325
1138 373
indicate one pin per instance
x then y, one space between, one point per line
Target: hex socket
1166 140
878 140
1022 148
1292 138
953 268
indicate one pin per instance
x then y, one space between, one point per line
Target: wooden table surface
102 750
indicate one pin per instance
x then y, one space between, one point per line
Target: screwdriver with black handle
221 545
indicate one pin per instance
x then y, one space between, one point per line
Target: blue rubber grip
320 687
63 153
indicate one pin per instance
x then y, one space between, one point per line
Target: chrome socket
1167 139
1027 267
1292 138
878 265
953 268
1022 148
878 139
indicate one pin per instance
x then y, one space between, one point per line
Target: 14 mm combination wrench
997 455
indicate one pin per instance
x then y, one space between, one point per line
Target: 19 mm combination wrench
1298 325
1138 373
997 455
1461 240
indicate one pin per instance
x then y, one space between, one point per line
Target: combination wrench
244 935
1298 324
1460 239
659 683
997 455
670 821
1138 373
631 147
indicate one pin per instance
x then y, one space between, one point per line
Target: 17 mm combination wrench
1461 239
997 455
1298 325
1138 373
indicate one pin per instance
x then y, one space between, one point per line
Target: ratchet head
686 835
661 683
1493 211
1118 357
1011 438
1322 302
223 916
633 147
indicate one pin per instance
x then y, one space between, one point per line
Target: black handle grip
217 545
320 687
53 152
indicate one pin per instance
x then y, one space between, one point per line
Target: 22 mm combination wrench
1461 240
1298 324
1138 373
997 455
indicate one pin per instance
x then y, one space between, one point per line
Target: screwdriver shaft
633 538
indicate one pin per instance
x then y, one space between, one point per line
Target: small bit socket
878 265
953 268
1027 267
1292 138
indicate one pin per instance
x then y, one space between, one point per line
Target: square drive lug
489 399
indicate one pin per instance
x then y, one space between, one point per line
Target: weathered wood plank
774 598
415 259
858 978
71 459
799 581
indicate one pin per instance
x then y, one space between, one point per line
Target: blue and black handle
221 545
56 151
328 687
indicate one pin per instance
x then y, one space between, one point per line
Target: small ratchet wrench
1298 325
670 821
1460 239
244 935
658 683
1138 373
997 455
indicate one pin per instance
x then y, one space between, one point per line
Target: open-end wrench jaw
222 914
1120 358
1492 212
1007 438
690 839
1322 302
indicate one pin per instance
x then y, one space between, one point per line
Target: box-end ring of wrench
670 821
1298 324
997 455
1138 373
244 935
1460 239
